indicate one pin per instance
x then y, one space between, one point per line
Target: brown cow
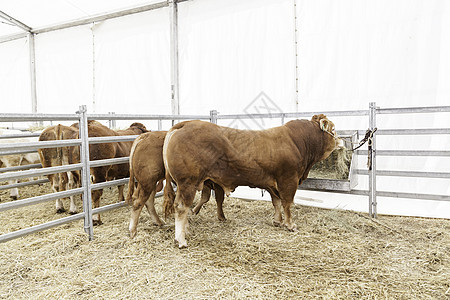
147 168
106 151
276 159
52 157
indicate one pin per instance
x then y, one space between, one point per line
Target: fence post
159 125
373 165
213 116
85 173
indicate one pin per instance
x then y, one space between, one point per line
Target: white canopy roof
46 13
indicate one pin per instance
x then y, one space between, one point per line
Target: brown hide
275 159
147 168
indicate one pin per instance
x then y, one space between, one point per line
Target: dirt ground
334 255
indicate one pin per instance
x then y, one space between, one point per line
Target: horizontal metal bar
413 110
37 117
109 161
108 207
12 37
40 172
102 185
40 199
146 117
295 114
413 174
15 152
100 17
22 232
116 205
406 153
40 145
22 184
110 139
414 196
18 136
441 175
351 192
19 168
413 131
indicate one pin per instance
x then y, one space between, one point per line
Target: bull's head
328 127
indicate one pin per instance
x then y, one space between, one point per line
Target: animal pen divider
85 164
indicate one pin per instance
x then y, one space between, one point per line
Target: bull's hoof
181 245
60 210
291 227
14 197
72 212
132 234
276 223
97 222
222 218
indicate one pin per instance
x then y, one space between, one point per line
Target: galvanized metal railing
87 187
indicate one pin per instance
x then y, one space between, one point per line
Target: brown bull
276 159
147 168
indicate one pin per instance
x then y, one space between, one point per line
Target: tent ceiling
43 13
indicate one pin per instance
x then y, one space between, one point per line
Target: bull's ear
317 118
324 124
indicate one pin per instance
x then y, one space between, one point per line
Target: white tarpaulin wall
241 57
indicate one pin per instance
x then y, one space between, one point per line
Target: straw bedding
334 255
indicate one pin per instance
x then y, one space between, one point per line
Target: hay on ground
334 255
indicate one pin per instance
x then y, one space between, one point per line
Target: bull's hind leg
96 195
138 200
150 204
220 195
120 191
183 200
206 194
277 217
71 185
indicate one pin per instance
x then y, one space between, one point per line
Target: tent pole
173 6
32 73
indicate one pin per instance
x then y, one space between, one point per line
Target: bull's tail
169 197
129 197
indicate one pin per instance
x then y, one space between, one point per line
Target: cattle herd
195 156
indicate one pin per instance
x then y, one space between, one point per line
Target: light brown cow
52 157
69 155
147 168
276 159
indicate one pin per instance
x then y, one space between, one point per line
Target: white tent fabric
241 57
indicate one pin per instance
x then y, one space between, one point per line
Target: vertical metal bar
111 122
213 116
32 72
373 169
173 6
282 118
85 173
159 125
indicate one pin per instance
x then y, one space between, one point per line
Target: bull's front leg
96 195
